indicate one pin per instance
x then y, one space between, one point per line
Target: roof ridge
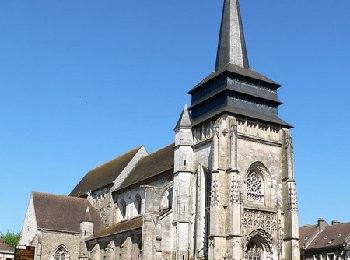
105 173
160 149
112 160
58 195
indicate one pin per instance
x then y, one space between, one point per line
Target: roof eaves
145 179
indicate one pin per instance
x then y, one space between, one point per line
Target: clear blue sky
83 81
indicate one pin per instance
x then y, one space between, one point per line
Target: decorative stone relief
214 200
211 243
235 196
255 187
292 201
203 133
259 236
288 141
280 236
258 129
255 219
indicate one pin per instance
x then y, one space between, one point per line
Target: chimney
321 224
334 222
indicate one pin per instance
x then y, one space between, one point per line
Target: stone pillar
183 174
219 201
291 236
148 229
117 253
96 252
234 240
201 214
111 251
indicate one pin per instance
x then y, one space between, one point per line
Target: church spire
232 48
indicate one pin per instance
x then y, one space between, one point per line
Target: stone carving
288 141
256 238
211 242
255 187
214 200
255 219
203 133
292 201
235 196
280 236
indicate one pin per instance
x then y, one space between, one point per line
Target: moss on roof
151 165
63 213
104 174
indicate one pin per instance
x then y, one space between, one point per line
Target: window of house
255 187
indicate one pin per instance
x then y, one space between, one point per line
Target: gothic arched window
122 208
167 200
138 204
255 187
61 253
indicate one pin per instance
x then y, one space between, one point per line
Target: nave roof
63 213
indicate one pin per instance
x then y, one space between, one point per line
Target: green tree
11 238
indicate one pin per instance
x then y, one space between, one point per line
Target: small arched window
167 200
122 208
138 204
61 253
255 187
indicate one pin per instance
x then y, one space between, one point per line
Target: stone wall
124 246
49 242
29 228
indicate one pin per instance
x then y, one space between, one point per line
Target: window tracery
255 187
61 253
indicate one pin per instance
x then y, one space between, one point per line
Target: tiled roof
306 233
331 236
63 213
5 247
121 227
104 174
156 163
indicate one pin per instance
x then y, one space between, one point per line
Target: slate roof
332 236
245 113
128 225
232 68
104 174
63 213
152 165
5 247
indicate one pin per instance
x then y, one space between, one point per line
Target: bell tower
246 148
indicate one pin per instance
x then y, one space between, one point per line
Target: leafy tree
11 238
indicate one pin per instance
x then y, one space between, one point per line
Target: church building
224 190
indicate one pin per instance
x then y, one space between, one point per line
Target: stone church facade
225 188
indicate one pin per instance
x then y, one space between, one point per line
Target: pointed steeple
184 120
232 47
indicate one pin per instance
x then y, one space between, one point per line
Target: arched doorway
258 246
